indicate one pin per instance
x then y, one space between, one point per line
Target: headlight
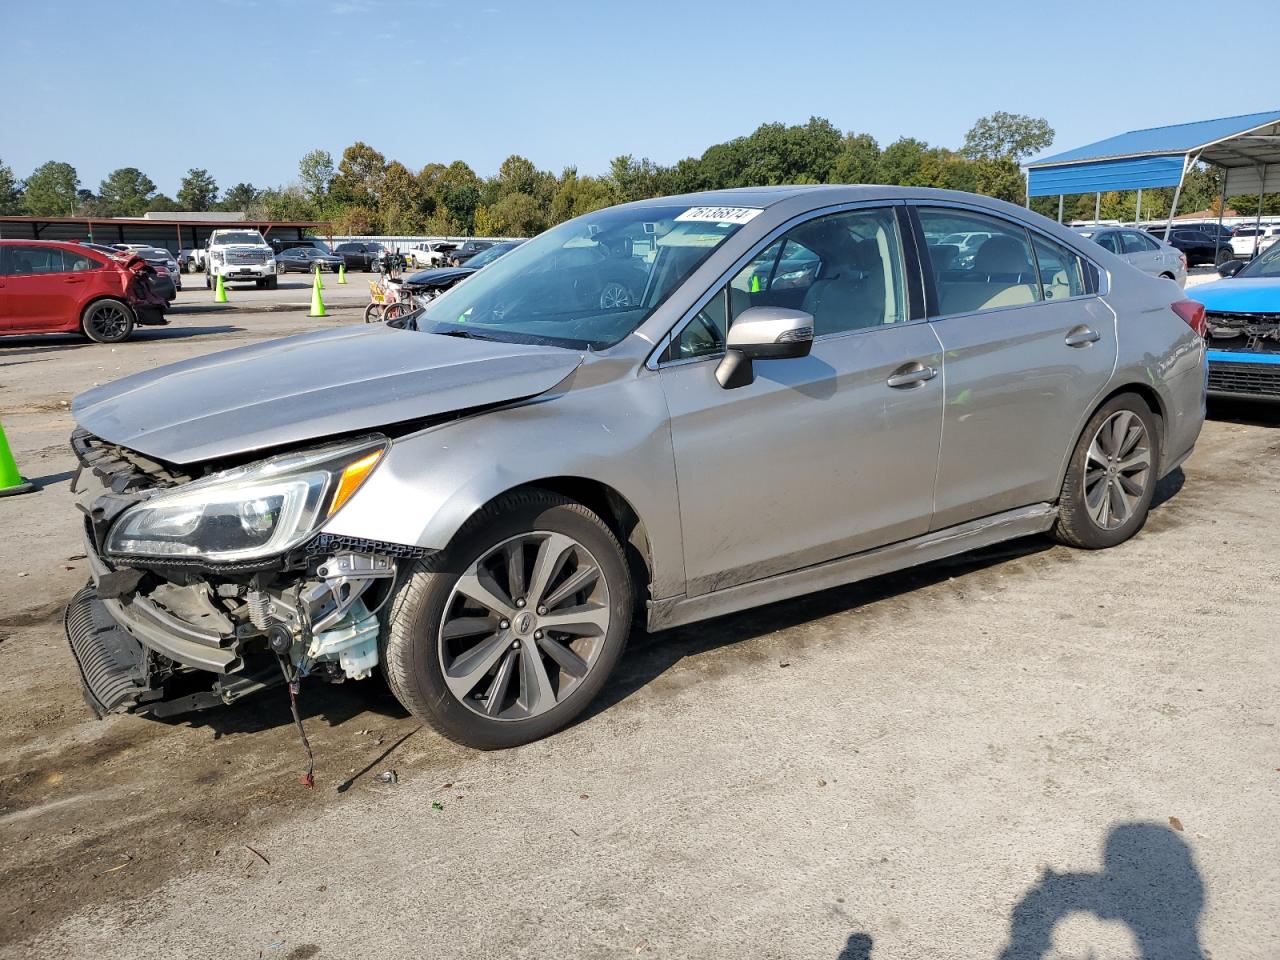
248 513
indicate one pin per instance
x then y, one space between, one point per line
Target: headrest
1001 255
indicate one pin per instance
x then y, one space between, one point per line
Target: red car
52 287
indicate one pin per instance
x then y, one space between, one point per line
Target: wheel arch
1149 396
614 509
99 297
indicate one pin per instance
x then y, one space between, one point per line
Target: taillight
1192 312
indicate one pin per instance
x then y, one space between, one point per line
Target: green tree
517 175
284 203
50 190
161 202
515 215
360 175
1007 136
126 191
903 162
315 171
10 191
458 188
198 190
858 160
240 197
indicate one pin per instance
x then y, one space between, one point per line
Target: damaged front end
207 589
1244 354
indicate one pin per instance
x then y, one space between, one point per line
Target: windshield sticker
719 214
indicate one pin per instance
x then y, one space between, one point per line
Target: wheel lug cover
542 611
505 624
520 602
537 634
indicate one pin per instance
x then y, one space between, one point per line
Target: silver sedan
787 389
1141 250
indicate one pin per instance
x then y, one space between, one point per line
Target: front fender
607 429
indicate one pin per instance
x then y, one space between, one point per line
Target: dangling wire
291 679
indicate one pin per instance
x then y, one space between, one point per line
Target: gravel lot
938 764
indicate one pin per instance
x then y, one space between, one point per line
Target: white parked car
1142 250
433 253
1249 241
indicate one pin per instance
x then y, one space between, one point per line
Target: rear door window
1107 241
997 272
1135 242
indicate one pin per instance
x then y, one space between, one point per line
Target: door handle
911 375
1081 336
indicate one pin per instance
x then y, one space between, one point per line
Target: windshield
1267 265
587 283
490 255
239 236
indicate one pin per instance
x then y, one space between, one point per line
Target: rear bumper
1246 376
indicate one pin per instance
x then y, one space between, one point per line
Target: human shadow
858 947
1149 882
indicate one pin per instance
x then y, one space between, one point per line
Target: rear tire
107 321
1111 477
373 313
541 676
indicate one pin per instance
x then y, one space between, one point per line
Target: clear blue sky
244 88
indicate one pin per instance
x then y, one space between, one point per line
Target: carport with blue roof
1246 148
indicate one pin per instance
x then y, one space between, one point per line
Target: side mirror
1230 268
763 333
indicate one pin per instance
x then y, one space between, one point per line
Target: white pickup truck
240 255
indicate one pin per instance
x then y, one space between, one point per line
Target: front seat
850 293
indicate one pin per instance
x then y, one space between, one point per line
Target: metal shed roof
1158 156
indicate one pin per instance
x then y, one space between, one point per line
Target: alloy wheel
614 295
1117 469
524 625
108 322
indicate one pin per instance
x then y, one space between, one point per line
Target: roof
1206 215
149 222
1246 145
1180 138
185 216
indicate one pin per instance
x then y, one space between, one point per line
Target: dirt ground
1035 750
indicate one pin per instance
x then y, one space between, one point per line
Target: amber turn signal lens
352 477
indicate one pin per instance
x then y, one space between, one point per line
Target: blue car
1242 313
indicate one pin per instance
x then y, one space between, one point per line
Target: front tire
1111 477
508 635
373 313
107 321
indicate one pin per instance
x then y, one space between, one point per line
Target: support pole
1173 208
1026 178
1262 192
1060 203
1222 209
1137 213
1097 208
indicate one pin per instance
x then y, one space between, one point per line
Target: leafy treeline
365 193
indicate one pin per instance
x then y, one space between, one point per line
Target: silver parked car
796 387
1139 248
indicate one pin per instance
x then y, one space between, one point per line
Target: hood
439 277
311 386
1239 295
